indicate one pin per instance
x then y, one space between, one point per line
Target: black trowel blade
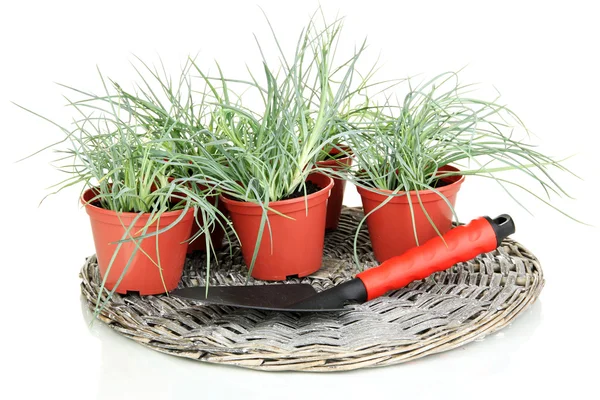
277 297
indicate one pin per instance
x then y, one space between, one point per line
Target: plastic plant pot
217 233
334 206
166 249
294 246
391 226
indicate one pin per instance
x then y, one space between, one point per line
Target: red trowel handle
462 243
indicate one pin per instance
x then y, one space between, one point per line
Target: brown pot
334 206
216 234
295 245
154 268
391 226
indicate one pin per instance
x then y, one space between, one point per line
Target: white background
543 57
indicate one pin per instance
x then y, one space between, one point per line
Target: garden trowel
461 243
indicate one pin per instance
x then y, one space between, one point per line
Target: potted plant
140 229
170 114
335 158
412 159
141 218
276 198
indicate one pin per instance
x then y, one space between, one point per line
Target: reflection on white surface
130 370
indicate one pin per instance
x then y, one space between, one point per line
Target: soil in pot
167 249
334 207
311 188
294 246
391 226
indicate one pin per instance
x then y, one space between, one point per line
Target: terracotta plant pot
216 234
143 274
334 206
296 248
391 227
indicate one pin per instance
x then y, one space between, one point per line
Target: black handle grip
503 226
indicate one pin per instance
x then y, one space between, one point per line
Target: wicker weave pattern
444 311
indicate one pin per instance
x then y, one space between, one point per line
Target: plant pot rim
426 195
335 148
335 162
126 214
279 203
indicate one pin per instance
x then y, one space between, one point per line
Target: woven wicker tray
439 313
